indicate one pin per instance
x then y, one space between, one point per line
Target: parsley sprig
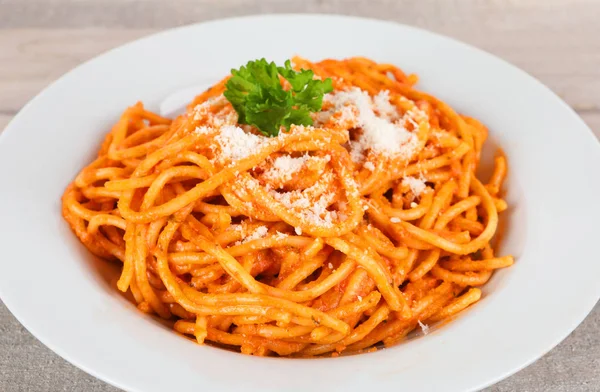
257 95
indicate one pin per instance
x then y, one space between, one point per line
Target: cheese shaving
383 105
416 185
236 144
312 212
279 235
203 112
258 233
379 134
285 166
424 327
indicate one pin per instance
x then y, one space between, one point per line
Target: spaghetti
329 238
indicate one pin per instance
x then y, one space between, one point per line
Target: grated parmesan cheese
330 266
294 128
394 219
369 166
310 211
413 204
279 236
298 230
424 327
379 133
203 112
383 105
416 185
203 130
360 298
285 166
236 144
238 228
258 233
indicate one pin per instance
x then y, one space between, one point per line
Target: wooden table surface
557 41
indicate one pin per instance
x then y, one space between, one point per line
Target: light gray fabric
27 365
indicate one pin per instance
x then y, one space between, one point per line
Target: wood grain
556 41
592 119
32 58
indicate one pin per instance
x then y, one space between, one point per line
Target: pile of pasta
290 245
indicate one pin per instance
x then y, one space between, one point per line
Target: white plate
68 301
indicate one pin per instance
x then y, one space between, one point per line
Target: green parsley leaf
257 95
297 79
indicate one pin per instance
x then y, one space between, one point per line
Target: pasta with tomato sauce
340 233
